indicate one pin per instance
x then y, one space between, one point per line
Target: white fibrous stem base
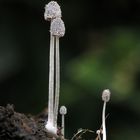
51 129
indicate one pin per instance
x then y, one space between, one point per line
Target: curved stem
103 121
51 81
57 81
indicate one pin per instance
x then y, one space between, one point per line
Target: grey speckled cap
63 110
52 10
57 27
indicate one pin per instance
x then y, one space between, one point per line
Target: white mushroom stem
63 125
57 80
51 82
50 123
105 97
58 30
103 121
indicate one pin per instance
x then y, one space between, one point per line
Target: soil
17 126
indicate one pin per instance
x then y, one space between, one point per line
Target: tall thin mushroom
52 11
63 112
58 30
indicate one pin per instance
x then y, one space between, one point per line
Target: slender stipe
57 29
51 81
103 120
57 79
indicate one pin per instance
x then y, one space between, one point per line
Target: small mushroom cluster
57 30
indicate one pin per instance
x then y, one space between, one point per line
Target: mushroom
105 97
52 11
98 132
63 112
57 30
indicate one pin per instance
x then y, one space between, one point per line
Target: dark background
101 49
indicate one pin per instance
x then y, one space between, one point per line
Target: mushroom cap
52 10
63 110
57 27
106 95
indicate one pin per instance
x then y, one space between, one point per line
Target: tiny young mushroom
63 112
105 97
98 132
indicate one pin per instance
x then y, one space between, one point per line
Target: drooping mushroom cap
57 27
52 10
106 95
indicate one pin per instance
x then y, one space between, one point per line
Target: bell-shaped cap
57 27
52 10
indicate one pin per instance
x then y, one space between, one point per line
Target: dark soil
17 126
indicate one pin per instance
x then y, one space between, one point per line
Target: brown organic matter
17 126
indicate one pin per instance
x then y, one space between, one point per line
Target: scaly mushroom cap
57 27
52 10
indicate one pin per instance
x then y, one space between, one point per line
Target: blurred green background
101 49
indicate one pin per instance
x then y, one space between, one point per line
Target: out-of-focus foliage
114 65
101 49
